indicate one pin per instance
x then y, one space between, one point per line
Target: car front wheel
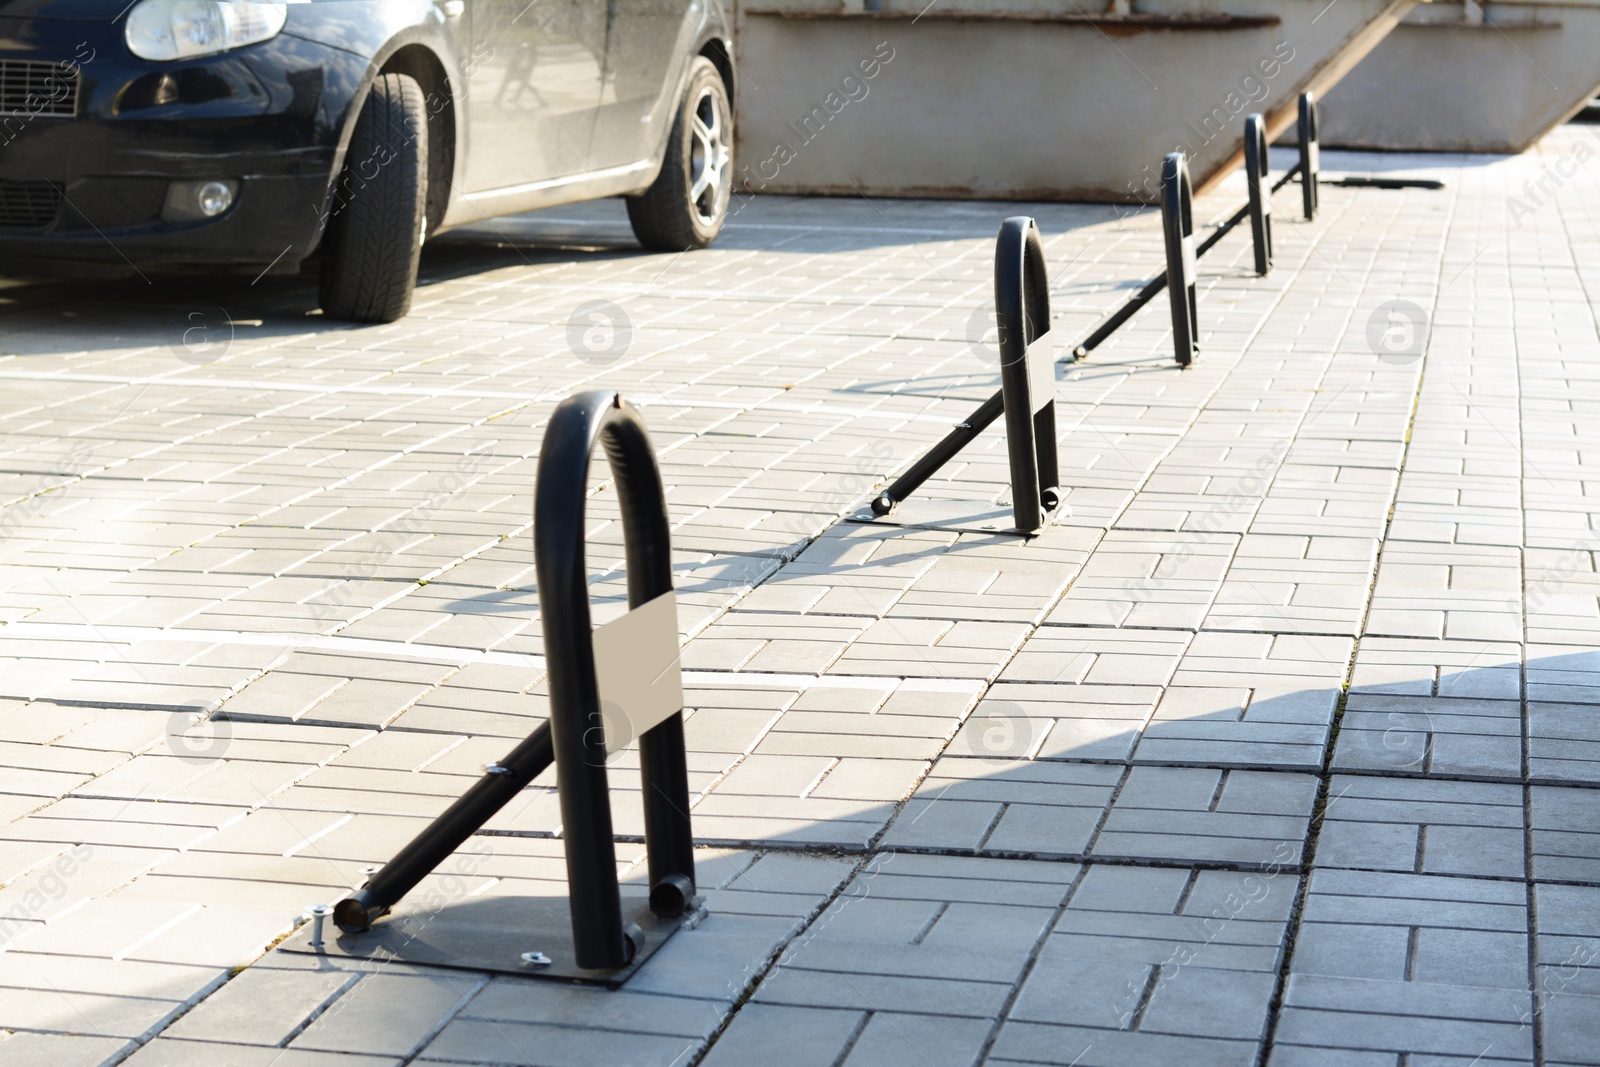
688 203
376 213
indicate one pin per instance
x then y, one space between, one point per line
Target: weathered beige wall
1442 83
1012 99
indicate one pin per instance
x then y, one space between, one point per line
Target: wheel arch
422 64
419 55
720 53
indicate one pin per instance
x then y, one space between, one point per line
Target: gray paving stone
388 1014
1566 833
1007 806
482 1041
261 1007
786 1036
1422 735
1424 827
1194 815
61 1049
164 1053
892 1040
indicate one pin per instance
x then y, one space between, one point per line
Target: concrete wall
1015 99
1443 82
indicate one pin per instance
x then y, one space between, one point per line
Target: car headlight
178 29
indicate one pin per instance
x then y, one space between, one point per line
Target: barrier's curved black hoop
1177 224
1310 162
570 738
1255 169
580 751
1027 370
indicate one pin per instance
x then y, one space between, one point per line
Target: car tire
376 222
688 202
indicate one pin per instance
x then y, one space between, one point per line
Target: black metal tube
446 833
1256 168
1221 231
1123 314
599 939
1177 224
663 762
939 455
568 739
1367 182
1022 309
1152 288
1309 154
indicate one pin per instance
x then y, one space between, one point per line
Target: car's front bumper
267 117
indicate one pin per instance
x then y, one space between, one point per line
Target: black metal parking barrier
1310 154
1256 165
606 686
1027 395
1258 209
1259 206
1177 227
1311 163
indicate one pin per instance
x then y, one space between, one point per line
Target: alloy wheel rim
709 156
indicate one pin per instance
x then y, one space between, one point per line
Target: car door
645 45
533 83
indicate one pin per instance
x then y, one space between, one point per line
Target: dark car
144 134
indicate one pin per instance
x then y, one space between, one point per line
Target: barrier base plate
966 516
489 935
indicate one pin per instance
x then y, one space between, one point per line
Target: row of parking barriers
1178 227
624 679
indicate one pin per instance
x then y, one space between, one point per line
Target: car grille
28 205
38 88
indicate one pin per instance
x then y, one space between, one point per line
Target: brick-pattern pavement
1280 751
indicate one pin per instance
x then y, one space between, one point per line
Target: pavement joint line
1296 919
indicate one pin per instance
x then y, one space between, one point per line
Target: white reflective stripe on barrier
1266 198
1188 260
1314 154
1041 372
638 669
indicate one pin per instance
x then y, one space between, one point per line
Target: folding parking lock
1310 167
1027 398
1255 169
1177 227
1310 154
606 686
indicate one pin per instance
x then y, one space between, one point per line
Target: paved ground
1282 749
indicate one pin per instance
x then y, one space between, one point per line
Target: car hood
65 10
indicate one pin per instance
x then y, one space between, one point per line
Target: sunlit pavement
1281 748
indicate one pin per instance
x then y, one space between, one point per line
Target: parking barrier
1259 206
1027 395
1258 209
1310 154
606 686
1177 227
1256 164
